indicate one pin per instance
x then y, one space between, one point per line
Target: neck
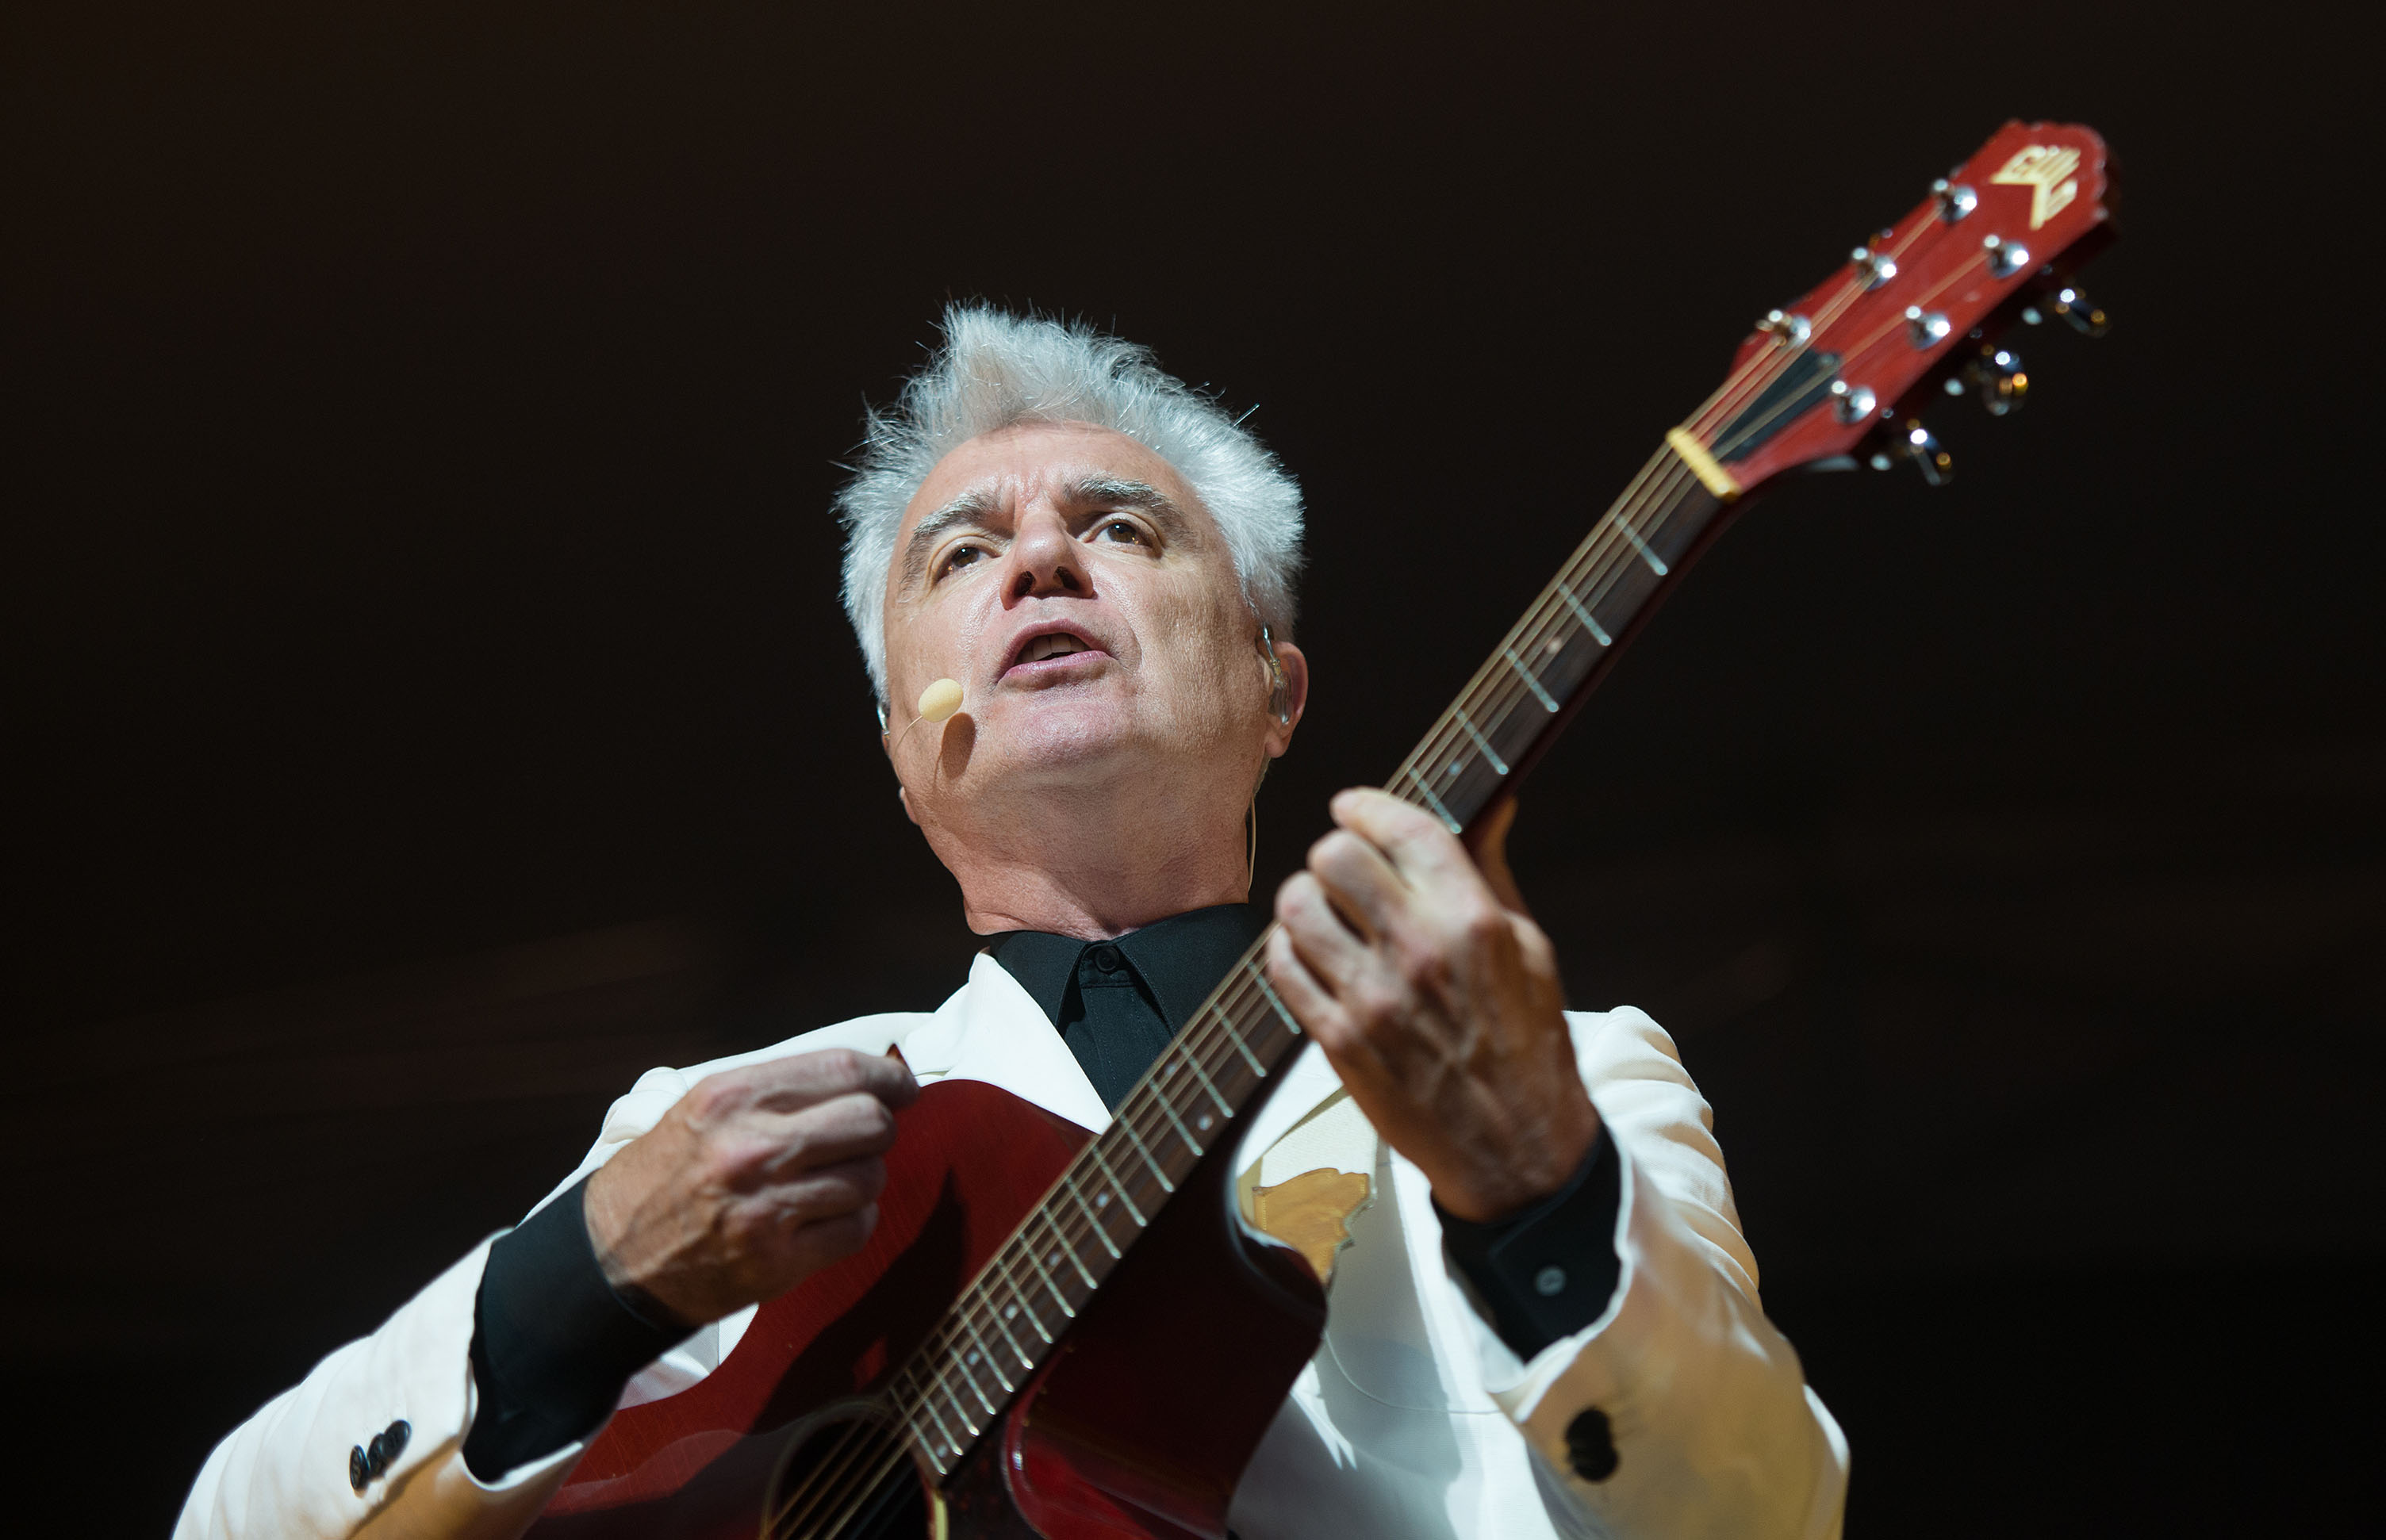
1093 863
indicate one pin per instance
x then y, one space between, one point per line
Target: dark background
427 703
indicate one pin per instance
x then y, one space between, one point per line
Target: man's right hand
756 1179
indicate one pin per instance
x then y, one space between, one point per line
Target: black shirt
554 1343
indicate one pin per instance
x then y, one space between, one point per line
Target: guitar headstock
1918 309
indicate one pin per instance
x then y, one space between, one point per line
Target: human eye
958 557
1122 532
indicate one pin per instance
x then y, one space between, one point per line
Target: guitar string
1445 733
1216 1053
1209 1040
809 1495
1201 1044
1726 399
1440 741
1220 1053
827 1477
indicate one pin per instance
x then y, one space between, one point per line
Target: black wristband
1549 1270
552 1342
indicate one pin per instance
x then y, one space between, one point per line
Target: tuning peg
2072 303
1954 200
1998 379
1873 267
1915 443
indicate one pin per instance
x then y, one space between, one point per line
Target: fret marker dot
1101 1200
1203 1122
1553 646
1056 1259
973 1358
1012 1313
1455 766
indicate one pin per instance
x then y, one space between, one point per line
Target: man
1544 1321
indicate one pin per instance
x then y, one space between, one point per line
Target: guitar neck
1016 1309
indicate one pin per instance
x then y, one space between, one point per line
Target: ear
1295 664
905 798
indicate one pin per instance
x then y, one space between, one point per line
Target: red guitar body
1139 1424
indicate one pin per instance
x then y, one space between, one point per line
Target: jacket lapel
992 1030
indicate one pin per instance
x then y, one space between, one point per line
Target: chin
1057 735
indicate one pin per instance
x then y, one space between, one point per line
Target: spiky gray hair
997 370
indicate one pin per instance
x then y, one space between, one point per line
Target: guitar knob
1911 441
2071 302
1998 379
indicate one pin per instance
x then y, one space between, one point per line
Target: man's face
1069 579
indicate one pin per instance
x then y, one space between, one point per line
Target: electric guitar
1032 1342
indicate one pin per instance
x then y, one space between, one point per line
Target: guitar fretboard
1016 1309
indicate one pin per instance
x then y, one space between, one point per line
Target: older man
1544 1320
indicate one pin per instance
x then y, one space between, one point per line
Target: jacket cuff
553 1342
1546 1272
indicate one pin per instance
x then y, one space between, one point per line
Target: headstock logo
2046 171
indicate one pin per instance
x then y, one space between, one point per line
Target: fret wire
1481 684
1224 1108
1655 565
984 1354
1182 1132
1127 1125
1019 1303
1530 682
1236 1039
1591 621
1037 1262
1498 764
1095 1150
961 1407
1069 1180
1600 554
920 1438
994 1313
1001 1270
1599 545
1455 827
1260 979
1070 1247
957 1446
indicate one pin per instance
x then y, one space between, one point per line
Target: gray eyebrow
973 506
969 507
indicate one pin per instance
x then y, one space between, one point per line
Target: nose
1045 561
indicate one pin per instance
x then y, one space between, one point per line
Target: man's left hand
1437 1003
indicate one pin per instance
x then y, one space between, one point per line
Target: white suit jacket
1413 1419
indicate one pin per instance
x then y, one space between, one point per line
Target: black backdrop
427 702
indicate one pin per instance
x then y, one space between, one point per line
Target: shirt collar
1180 960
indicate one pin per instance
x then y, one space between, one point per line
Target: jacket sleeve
286 1471
1680 1411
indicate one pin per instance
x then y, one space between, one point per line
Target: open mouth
1052 643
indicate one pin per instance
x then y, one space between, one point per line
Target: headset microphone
937 703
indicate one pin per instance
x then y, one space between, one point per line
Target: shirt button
360 1476
1550 1281
1106 958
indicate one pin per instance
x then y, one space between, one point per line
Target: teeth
1055 645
